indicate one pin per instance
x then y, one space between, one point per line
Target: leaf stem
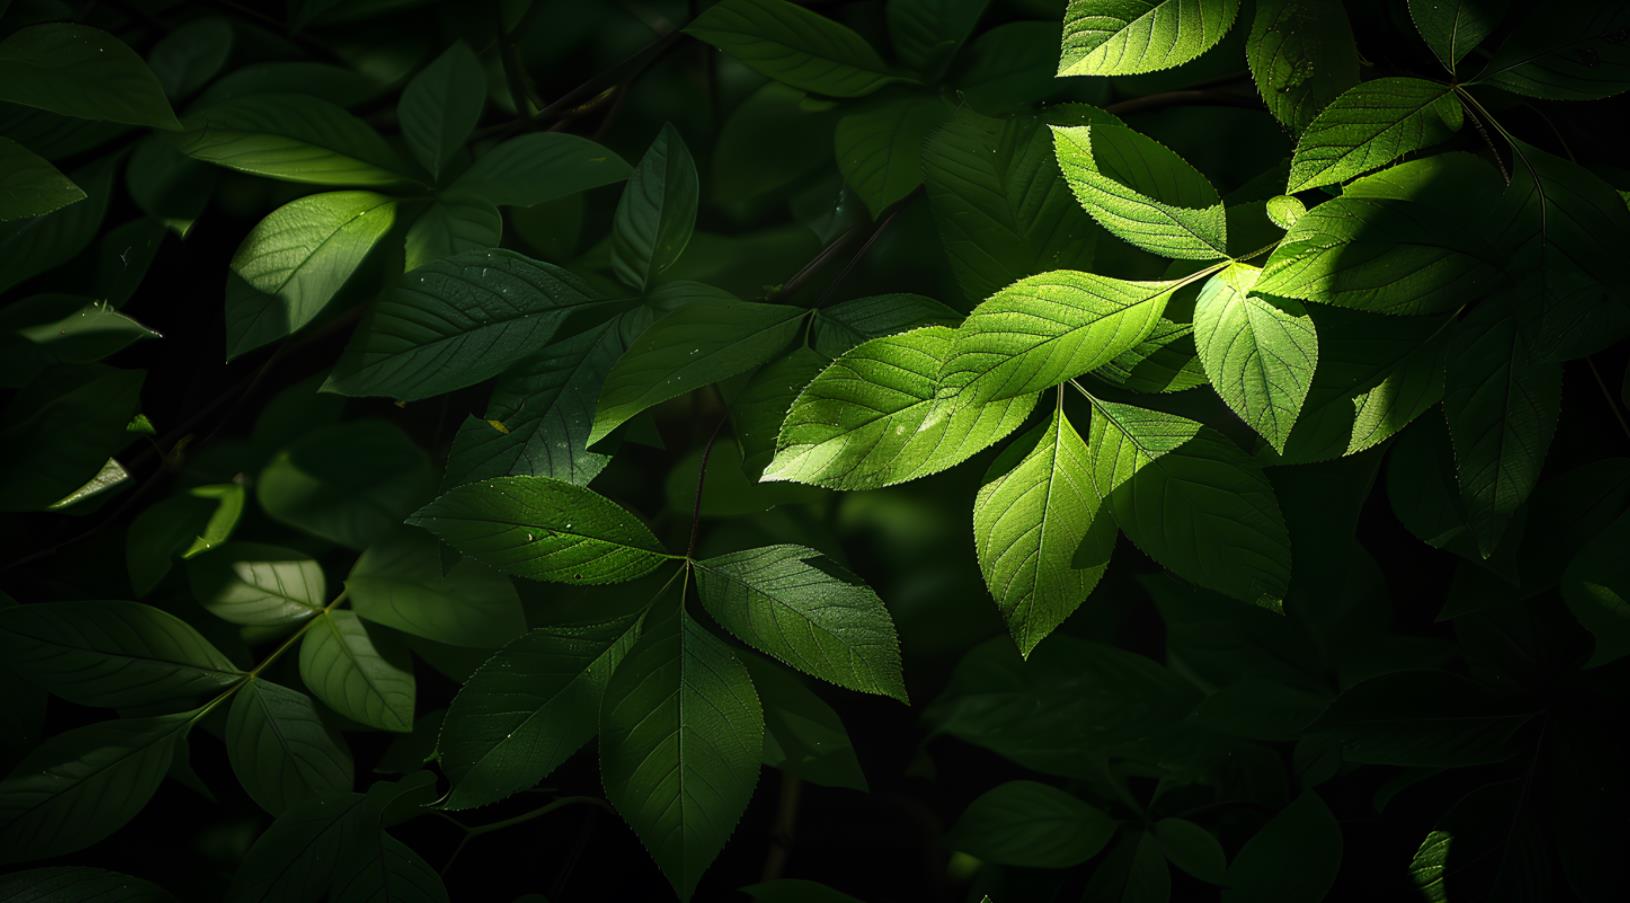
272 657
701 481
1607 396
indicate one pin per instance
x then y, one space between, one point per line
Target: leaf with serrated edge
1259 353
1452 28
1302 55
1129 37
1042 540
1142 192
543 529
802 608
681 731
872 418
1371 125
795 46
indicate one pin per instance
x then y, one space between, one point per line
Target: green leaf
1397 242
803 736
681 730
1045 329
804 609
843 326
30 186
528 709
48 329
112 654
695 346
30 247
1001 207
879 147
535 169
1192 849
296 260
1165 361
1371 125
60 429
457 322
794 46
67 883
757 411
1596 587
1043 542
294 138
1576 53
1031 825
541 412
186 58
78 787
743 178
1294 858
1259 353
657 213
255 584
452 225
1453 28
1067 706
543 529
1502 403
1302 56
356 674
351 483
390 870
441 106
400 583
84 72
167 185
110 477
282 750
1129 37
927 33
1142 192
873 419
1133 872
1010 67
1284 210
1192 500
1429 719
306 850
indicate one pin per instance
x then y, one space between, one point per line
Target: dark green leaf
441 106
83 72
282 750
1302 55
351 483
794 45
400 582
363 677
30 186
255 584
1033 825
657 213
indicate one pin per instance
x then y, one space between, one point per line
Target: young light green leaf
541 412
538 168
78 787
1129 37
400 583
1577 53
457 322
879 147
1043 542
282 750
1001 207
454 224
84 72
361 676
1192 500
695 346
60 429
803 736
657 213
255 584
529 708
1043 330
1453 28
1284 210
1142 192
1031 825
30 186
681 731
1502 403
1302 56
1596 587
1371 125
1259 353
112 654
441 106
873 418
295 260
350 483
543 529
292 137
804 609
795 46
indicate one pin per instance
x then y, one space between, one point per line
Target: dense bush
1130 451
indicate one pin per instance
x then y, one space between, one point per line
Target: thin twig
877 232
701 480
783 827
1214 97
1607 395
